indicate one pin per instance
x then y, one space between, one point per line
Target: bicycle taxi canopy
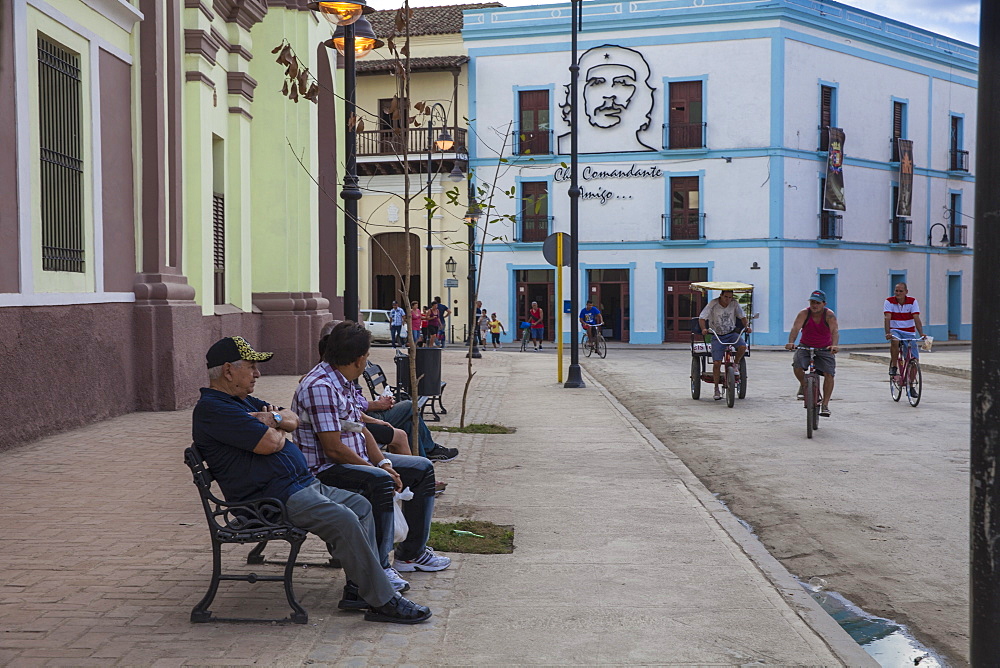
735 286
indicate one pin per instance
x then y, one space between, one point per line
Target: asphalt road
876 503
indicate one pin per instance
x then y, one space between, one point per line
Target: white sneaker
428 561
398 583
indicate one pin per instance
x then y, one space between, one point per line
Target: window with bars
959 157
534 210
533 136
219 246
898 127
61 155
827 99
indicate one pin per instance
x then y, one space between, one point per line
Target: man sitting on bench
245 442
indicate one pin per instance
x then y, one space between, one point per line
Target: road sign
549 248
451 282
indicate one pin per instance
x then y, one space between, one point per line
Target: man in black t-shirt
245 442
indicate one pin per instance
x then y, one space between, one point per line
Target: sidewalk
621 555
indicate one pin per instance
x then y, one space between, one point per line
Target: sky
954 18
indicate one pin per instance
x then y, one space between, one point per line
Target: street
876 504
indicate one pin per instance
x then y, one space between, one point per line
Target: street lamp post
344 15
575 377
450 266
443 143
944 235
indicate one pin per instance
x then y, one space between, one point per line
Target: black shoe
398 610
892 371
439 453
352 600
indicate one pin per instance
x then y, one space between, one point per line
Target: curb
826 628
931 368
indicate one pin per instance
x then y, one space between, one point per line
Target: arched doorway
388 262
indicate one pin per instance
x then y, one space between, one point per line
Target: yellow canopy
722 285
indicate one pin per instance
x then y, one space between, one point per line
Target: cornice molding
123 14
205 43
194 75
200 4
241 83
241 111
244 13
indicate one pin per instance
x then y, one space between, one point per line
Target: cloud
955 18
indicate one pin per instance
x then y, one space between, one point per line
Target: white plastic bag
926 344
401 528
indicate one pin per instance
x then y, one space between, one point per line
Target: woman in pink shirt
415 324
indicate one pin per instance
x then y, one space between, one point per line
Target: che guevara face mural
617 101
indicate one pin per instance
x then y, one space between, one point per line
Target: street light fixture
944 235
345 15
444 142
365 40
575 376
451 265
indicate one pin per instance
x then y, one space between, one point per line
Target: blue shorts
719 349
537 332
909 340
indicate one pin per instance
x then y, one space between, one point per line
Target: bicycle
525 335
599 344
908 373
734 376
812 395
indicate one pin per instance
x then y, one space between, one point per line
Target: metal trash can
428 366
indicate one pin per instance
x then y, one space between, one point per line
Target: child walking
495 328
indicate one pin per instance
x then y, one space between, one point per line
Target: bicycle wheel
524 340
914 383
695 376
730 385
810 403
601 346
895 388
587 348
741 385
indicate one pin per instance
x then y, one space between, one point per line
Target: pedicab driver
819 330
721 315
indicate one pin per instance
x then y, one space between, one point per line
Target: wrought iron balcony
958 235
390 142
831 225
900 231
684 135
959 161
532 142
533 229
683 226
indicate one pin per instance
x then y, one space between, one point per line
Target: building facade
156 195
708 134
438 83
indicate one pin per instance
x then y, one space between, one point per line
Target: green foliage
476 428
497 539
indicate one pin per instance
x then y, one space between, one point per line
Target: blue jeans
396 330
376 485
344 520
719 349
399 417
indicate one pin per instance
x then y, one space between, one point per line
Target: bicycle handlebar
716 335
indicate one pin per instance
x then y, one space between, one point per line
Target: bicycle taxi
733 384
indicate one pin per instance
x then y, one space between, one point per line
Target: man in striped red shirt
901 313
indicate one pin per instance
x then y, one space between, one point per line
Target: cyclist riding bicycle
819 330
591 319
902 321
721 315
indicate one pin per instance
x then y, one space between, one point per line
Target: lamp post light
344 15
472 221
444 142
944 235
450 266
575 376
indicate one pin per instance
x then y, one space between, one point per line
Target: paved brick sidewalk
104 551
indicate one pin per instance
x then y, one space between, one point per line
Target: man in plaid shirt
341 452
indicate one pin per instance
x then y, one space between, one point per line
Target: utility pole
575 376
984 558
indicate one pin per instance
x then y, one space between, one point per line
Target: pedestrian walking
495 328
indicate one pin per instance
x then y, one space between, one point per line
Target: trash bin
428 366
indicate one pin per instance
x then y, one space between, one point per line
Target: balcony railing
958 235
831 225
684 135
683 226
390 142
900 231
532 229
532 142
959 160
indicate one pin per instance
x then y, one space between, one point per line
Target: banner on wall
905 199
833 194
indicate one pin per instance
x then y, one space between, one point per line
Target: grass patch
476 429
497 539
